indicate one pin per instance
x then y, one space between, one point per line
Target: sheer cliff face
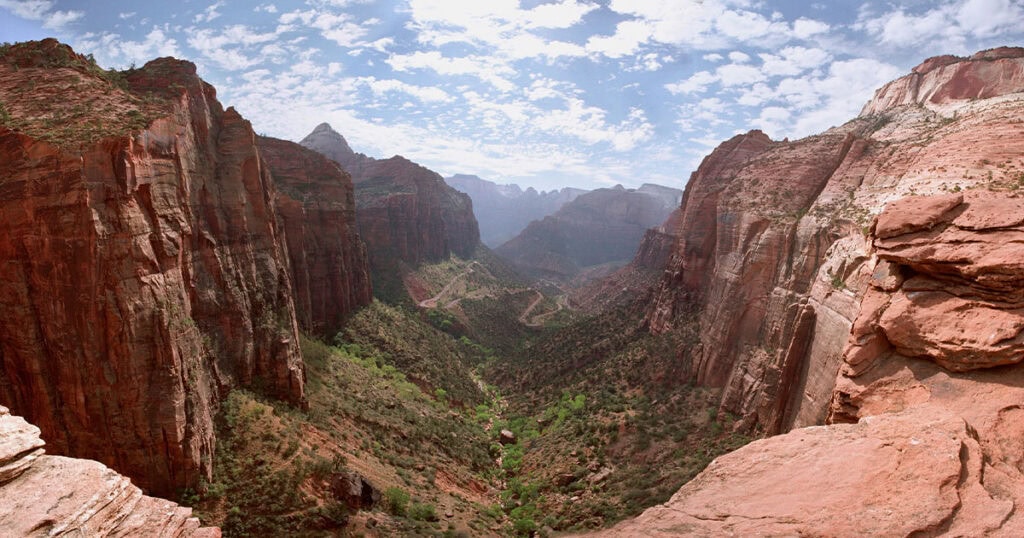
601 226
316 207
145 272
406 213
904 336
771 235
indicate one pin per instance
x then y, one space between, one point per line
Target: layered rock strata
405 212
931 387
316 206
772 250
43 495
145 264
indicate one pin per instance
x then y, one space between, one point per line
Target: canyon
503 211
600 227
151 264
880 296
815 336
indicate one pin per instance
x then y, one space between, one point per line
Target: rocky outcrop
599 227
945 79
772 258
43 495
405 212
316 206
918 472
902 331
144 273
503 211
930 387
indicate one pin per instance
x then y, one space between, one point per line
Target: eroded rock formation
145 272
316 205
43 495
772 235
405 212
931 389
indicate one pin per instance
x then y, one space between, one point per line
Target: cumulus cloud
113 50
949 24
42 11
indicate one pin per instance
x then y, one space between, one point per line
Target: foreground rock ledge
44 495
889 475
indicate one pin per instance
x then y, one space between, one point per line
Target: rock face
42 495
918 471
929 449
599 227
771 254
145 270
405 212
503 211
946 79
316 206
903 331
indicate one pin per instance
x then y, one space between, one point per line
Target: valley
296 339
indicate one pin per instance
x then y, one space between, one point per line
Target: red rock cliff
405 212
904 333
771 250
316 206
144 270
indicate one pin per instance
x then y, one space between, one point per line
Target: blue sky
544 93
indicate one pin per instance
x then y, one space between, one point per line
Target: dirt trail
432 302
539 319
526 313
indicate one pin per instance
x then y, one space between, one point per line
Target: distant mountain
504 210
405 212
604 226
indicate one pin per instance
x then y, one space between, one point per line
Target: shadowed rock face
53 495
316 206
504 210
406 213
144 272
601 226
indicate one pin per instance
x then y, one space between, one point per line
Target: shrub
396 500
422 512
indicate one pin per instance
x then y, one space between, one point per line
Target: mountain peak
325 140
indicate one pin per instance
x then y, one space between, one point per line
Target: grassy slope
274 462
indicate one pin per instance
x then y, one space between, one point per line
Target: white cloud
713 57
804 28
501 27
738 75
113 50
698 82
234 47
267 8
208 14
949 24
739 57
425 94
490 70
124 16
42 11
341 28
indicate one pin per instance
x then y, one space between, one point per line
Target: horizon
541 94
